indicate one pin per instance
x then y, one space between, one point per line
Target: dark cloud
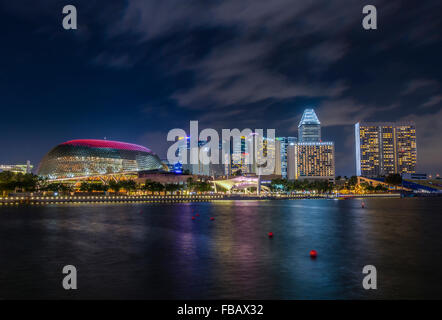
137 68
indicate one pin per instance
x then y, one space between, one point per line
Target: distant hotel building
310 158
384 148
315 160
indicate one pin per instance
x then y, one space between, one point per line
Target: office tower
225 158
309 158
291 162
315 160
367 139
268 156
309 128
384 148
277 170
406 155
238 157
284 144
199 168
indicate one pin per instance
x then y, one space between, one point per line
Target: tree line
321 186
28 182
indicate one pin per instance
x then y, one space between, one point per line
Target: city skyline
227 156
131 80
381 148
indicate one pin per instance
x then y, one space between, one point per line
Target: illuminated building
310 158
315 160
199 168
309 128
284 144
245 183
17 168
239 153
278 165
385 148
78 159
291 162
367 140
267 155
406 154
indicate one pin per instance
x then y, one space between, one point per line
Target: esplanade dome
88 157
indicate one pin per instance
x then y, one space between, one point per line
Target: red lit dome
93 143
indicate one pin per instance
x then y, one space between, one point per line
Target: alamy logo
249 147
370 21
70 20
370 280
70 281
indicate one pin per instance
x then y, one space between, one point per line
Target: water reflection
157 251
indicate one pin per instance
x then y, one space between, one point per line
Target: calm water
158 252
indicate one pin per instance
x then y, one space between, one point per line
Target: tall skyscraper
199 168
384 148
291 162
268 157
285 142
238 157
310 158
309 128
278 168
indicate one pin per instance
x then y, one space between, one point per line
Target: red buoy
197 215
270 234
313 253
212 218
193 218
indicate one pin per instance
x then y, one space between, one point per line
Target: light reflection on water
157 251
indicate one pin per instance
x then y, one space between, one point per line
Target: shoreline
42 200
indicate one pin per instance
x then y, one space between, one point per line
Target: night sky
136 69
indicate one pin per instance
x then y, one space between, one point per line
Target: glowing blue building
309 128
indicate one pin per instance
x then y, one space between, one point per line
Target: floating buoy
212 218
313 254
270 234
363 204
193 218
197 215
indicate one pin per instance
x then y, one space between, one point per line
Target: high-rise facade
239 156
309 128
260 155
285 142
278 168
384 148
198 168
291 162
315 160
310 158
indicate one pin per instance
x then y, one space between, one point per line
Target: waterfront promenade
43 200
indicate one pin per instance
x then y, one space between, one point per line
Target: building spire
309 128
309 117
